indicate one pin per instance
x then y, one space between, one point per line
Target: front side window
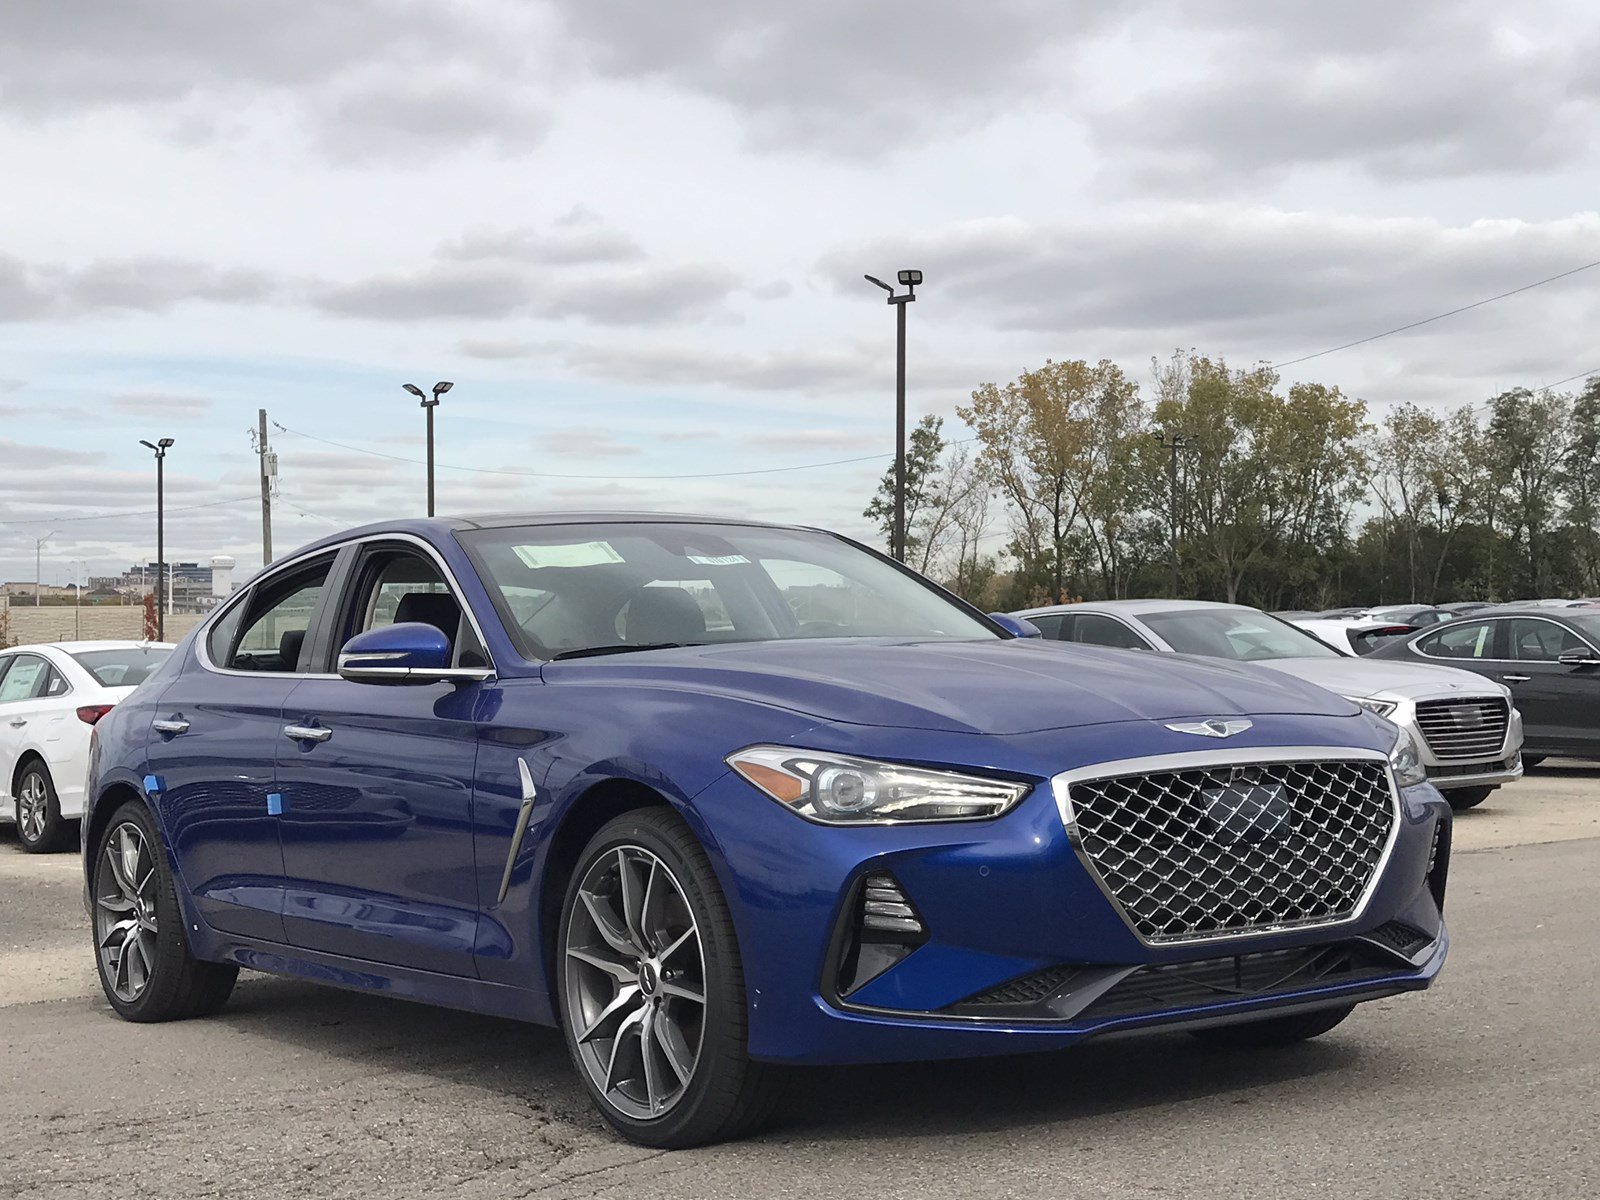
1099 630
574 589
1474 639
1243 635
401 586
272 630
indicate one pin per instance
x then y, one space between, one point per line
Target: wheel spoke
118 933
630 1025
683 993
115 904
678 945
674 1048
647 1041
621 972
616 938
646 930
620 1004
630 901
116 855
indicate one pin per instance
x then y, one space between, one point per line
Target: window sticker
575 554
718 560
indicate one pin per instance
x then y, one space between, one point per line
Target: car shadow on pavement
845 1104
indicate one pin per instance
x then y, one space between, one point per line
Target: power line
838 462
1527 287
109 516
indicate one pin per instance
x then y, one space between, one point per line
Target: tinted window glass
1473 639
1541 641
1049 624
571 588
1100 630
1240 634
28 677
122 668
279 613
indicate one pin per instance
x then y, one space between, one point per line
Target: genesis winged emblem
1216 727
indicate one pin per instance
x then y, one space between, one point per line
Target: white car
50 698
1465 728
1358 635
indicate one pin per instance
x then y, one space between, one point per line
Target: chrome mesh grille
1209 852
1472 727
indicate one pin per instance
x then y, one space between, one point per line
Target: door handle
1516 678
18 723
307 733
174 727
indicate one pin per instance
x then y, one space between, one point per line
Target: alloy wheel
125 925
635 982
33 806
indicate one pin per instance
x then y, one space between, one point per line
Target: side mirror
1015 626
410 652
1578 658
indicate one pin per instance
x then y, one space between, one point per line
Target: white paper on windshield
572 554
718 560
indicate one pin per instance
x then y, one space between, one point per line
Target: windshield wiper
590 651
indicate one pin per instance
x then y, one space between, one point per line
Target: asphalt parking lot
1486 1086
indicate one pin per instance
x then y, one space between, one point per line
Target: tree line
1219 482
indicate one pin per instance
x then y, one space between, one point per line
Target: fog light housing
881 929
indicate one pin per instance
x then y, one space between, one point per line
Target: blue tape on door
274 804
152 784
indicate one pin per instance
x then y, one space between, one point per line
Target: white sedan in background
1465 729
50 698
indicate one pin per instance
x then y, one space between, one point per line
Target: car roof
1134 608
83 647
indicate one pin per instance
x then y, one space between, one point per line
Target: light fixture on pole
909 280
429 403
160 447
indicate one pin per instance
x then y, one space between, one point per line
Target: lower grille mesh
1214 851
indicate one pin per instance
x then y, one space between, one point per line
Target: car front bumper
1011 912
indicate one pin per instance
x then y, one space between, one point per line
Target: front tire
1276 1031
41 829
1464 798
145 967
651 988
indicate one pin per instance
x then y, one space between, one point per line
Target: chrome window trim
1061 784
1417 649
203 639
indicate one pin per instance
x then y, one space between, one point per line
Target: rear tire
141 952
1464 798
41 829
651 991
1276 1031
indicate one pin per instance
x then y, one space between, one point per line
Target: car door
24 706
377 784
1558 701
214 742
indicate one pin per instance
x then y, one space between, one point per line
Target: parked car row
1465 729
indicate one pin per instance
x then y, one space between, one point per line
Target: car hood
1001 687
1385 677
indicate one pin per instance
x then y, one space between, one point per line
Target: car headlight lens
1405 762
1382 707
839 789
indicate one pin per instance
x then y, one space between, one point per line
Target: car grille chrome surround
1471 727
1224 844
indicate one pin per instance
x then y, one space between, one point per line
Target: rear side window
122 668
277 617
28 678
1475 639
1048 624
1098 630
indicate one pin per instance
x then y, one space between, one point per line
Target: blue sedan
717 797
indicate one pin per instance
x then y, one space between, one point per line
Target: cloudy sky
633 234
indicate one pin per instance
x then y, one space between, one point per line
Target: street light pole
428 405
38 557
160 447
1172 445
910 279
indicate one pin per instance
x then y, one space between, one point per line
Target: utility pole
269 465
910 280
1172 444
38 556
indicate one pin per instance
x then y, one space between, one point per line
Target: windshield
1240 634
122 668
574 589
1587 625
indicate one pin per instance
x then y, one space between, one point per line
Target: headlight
1382 707
837 789
1404 762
